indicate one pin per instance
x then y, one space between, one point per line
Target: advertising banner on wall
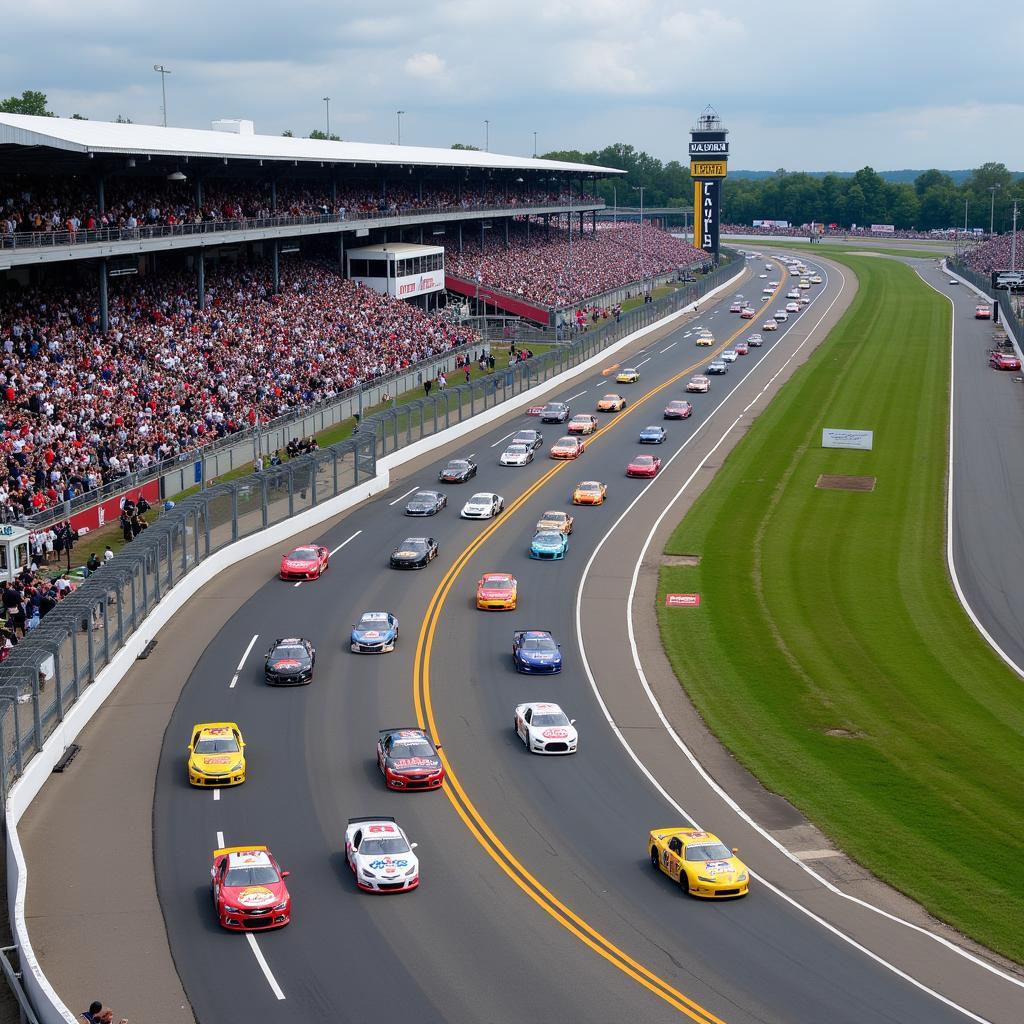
883 229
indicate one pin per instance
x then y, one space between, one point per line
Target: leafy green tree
29 102
288 133
323 136
121 119
931 179
78 117
465 145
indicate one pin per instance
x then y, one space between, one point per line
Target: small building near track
402 270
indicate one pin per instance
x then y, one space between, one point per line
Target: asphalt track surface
555 913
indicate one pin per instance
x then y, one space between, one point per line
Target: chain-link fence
1008 313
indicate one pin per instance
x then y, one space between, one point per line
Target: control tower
709 158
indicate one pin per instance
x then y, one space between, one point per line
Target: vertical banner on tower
696 215
710 198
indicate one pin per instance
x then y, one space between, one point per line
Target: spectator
93 563
108 554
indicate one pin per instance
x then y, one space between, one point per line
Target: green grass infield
829 652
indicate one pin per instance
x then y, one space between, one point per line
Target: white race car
484 505
380 855
545 729
516 455
730 355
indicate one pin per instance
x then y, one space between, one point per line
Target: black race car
408 759
290 662
554 412
458 471
425 503
531 438
414 553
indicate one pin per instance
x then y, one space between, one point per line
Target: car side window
357 839
529 714
675 844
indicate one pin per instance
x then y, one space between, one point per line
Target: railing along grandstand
1008 312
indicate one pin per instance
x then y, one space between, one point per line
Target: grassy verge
829 651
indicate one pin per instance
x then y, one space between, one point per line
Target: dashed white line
642 361
334 551
216 794
500 439
220 840
264 966
667 347
571 397
252 643
687 334
400 497
234 681
299 584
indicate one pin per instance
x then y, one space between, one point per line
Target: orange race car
567 448
611 403
497 592
589 492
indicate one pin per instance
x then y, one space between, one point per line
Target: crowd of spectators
79 408
996 254
50 205
837 232
560 272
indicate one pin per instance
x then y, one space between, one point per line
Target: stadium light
400 113
487 136
327 101
534 145
992 209
163 73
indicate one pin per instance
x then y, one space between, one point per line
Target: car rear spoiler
372 817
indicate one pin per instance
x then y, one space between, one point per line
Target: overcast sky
814 85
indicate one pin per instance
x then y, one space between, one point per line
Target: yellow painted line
459 799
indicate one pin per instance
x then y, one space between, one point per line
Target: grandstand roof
86 137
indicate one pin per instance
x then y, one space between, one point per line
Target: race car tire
684 882
654 859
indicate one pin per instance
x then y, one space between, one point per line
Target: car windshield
554 407
457 465
303 555
643 460
589 487
539 643
376 847
424 496
411 748
289 652
516 449
262 874
411 544
566 442
548 537
373 620
221 745
481 499
556 718
708 851
554 517
526 436
610 398
495 584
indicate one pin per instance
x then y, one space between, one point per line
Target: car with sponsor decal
426 503
699 382
678 409
497 592
290 662
747 313
554 520
611 403
653 435
216 755
589 492
769 325
755 341
374 633
765 292
535 651
699 861
719 366
780 316
249 891
408 759
1003 361
982 312
305 562
705 339
735 307
414 553
742 348
531 438
804 283
627 375
458 471
643 466
582 423
554 412
380 855
516 455
774 284
816 279
793 293
485 505
730 355
545 728
793 307
549 545
567 448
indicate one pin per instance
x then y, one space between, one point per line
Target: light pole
327 103
163 73
992 209
487 136
615 207
640 189
399 113
534 145
1013 240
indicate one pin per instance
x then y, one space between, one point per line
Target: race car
554 412
497 592
643 465
718 366
678 409
1003 361
627 375
414 553
484 505
730 355
426 503
699 861
705 339
747 313
816 279
698 383
549 545
589 492
545 728
516 455
216 755
458 471
769 325
804 283
982 312
531 438
780 316
652 435
793 293
742 348
793 307
735 307
560 521
535 651
567 448
306 562
290 662
374 633
767 291
762 275
582 423
408 759
611 403
380 855
248 888
755 341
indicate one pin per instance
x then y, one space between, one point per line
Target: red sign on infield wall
535 410
682 600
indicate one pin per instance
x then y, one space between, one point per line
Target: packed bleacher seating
556 272
996 254
838 232
80 409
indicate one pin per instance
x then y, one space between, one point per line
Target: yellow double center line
460 800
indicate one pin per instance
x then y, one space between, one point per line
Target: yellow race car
216 755
627 376
611 403
589 492
705 339
699 861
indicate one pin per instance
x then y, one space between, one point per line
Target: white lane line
252 643
496 443
687 334
264 966
571 397
220 840
299 584
347 539
699 768
400 497
471 455
667 347
234 681
641 363
216 794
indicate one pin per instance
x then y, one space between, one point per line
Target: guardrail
1002 296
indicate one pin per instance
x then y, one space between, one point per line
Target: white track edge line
252 643
401 496
347 539
264 966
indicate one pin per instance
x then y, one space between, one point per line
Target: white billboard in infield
833 437
402 270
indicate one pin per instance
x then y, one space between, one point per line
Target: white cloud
425 65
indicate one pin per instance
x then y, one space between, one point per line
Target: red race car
678 409
249 893
982 312
567 448
742 348
643 465
1003 361
305 562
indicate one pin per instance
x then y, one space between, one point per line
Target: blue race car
375 633
535 650
652 435
549 544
